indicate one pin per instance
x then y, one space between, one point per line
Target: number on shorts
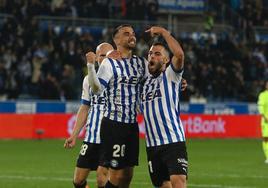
150 166
83 149
119 151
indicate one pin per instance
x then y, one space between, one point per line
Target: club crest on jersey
140 70
159 79
114 163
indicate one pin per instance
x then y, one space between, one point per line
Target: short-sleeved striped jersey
122 80
160 107
95 113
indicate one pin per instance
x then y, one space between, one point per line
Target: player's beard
155 68
131 45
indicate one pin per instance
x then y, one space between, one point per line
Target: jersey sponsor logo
131 80
151 95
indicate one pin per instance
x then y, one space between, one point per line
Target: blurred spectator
209 22
36 58
67 83
3 79
135 9
142 48
49 87
152 10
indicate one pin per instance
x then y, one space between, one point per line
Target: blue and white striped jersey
95 113
160 107
122 80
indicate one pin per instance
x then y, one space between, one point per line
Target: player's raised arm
173 44
92 76
98 81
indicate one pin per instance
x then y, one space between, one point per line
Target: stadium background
42 64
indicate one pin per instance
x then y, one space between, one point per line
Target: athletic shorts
167 160
89 156
120 144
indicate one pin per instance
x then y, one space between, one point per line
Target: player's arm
92 76
98 82
81 119
81 116
174 46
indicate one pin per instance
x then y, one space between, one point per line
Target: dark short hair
120 27
158 43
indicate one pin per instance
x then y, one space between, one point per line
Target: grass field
213 164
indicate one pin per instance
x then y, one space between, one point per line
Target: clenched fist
91 58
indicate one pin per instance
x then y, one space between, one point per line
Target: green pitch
213 164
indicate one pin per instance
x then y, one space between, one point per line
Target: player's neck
125 53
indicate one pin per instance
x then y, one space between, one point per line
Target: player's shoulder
107 63
106 60
265 93
262 96
171 68
143 59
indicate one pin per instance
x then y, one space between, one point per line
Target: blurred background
43 44
42 66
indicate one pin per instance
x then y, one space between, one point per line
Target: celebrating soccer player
165 138
90 113
119 129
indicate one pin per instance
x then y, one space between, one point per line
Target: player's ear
166 60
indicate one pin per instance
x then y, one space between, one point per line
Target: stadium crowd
38 63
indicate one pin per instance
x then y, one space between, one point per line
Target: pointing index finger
148 30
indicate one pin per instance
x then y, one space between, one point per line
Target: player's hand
91 58
183 84
155 30
114 54
69 142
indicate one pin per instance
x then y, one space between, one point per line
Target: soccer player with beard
165 138
119 129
